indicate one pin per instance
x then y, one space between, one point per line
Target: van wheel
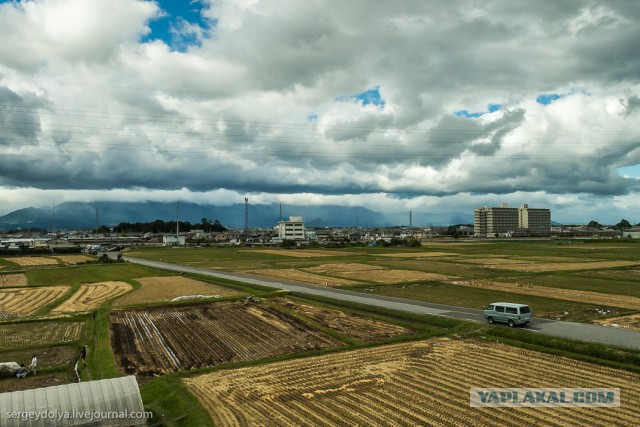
511 324
490 319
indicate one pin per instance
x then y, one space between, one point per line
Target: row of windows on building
503 220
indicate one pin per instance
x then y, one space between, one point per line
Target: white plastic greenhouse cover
107 401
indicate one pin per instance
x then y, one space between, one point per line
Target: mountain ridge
83 215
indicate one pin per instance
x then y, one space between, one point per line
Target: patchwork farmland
19 302
90 296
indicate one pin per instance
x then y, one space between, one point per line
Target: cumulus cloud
258 101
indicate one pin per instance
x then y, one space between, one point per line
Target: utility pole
246 214
178 223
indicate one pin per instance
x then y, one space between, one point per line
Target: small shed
111 402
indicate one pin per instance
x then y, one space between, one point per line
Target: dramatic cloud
429 106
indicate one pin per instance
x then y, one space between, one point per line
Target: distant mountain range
78 215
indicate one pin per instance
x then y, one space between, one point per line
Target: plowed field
15 302
356 327
407 384
13 280
91 296
166 288
161 339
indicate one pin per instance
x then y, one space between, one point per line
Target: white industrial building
292 229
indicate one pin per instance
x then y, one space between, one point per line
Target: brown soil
35 381
587 297
166 288
34 260
302 276
13 280
47 357
91 296
356 327
415 383
156 340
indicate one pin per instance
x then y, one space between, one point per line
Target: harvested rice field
166 288
587 297
356 327
376 274
20 302
417 383
303 276
34 260
74 259
13 280
90 296
31 334
310 253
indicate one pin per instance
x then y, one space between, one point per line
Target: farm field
19 302
166 288
597 298
90 296
157 340
608 269
38 334
74 259
352 326
13 280
628 322
34 260
415 383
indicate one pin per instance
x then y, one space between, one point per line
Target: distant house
173 240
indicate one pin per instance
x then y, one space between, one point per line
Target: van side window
512 310
499 309
525 309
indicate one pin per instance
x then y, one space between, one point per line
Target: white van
509 313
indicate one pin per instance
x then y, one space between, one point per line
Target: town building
504 221
292 229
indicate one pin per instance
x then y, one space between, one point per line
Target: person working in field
22 371
83 356
34 364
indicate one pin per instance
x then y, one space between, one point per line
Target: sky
438 106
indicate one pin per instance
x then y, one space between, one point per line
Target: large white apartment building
292 229
503 220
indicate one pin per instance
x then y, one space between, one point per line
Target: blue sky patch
181 25
548 98
312 118
630 171
491 108
371 96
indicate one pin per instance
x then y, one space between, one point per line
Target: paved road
579 331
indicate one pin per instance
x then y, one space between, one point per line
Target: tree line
160 226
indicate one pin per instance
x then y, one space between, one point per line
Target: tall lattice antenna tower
246 214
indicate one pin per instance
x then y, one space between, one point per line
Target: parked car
509 313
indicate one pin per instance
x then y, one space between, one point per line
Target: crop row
91 296
157 340
20 335
424 383
25 301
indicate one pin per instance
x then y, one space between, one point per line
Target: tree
594 224
622 225
216 226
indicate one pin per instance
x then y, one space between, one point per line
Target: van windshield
525 309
